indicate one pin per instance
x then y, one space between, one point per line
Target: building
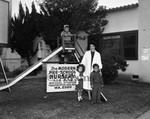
127 34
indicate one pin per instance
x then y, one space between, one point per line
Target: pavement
145 115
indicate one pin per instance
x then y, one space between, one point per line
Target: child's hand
100 73
91 86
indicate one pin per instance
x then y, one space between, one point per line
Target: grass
127 99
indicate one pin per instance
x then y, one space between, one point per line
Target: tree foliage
79 14
23 31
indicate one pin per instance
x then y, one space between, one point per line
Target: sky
116 3
15 5
107 3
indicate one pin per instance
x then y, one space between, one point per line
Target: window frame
122 35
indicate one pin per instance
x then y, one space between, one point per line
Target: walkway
146 115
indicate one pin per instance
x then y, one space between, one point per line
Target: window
130 44
111 45
124 44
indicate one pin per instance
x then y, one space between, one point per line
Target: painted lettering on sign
61 77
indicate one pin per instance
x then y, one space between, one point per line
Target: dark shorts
80 85
68 44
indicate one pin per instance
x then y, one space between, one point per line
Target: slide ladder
29 70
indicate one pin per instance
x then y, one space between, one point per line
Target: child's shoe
79 99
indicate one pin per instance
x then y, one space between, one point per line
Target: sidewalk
145 115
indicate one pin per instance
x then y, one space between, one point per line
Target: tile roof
123 7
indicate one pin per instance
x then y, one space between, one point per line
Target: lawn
127 99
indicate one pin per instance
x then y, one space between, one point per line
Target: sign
4 21
61 77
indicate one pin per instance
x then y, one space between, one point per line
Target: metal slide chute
29 70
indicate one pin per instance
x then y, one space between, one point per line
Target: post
3 70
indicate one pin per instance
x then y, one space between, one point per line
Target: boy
96 82
66 37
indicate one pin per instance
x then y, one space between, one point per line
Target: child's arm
102 82
77 81
77 78
62 33
70 34
100 72
91 79
101 77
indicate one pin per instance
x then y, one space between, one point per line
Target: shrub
111 65
17 71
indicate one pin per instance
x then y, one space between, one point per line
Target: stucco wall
124 20
144 38
135 19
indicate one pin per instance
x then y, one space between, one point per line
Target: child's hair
95 65
81 65
66 26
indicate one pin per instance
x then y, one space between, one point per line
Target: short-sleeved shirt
66 35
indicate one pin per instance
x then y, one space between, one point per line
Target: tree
23 32
78 14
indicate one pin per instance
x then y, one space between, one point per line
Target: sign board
5 16
60 77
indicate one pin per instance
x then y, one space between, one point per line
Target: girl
79 81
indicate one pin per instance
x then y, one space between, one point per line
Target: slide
29 70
